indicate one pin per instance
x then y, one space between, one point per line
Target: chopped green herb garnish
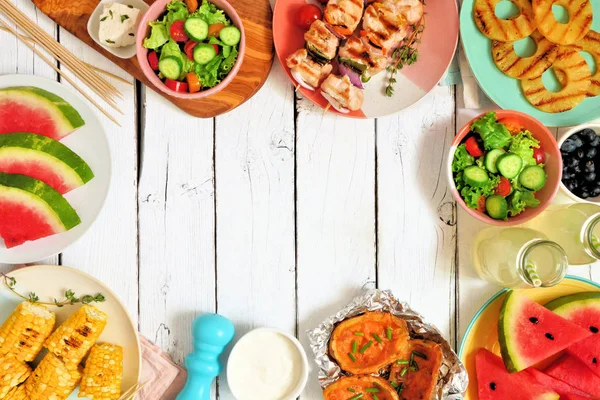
400 388
413 369
354 346
394 384
103 19
351 390
130 6
376 336
375 397
423 356
110 41
401 362
359 334
365 347
372 390
124 18
389 333
412 359
404 371
352 357
358 396
415 366
111 14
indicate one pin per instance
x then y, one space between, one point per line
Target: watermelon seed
594 361
593 329
493 386
549 336
533 320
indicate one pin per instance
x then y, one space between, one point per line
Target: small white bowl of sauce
267 364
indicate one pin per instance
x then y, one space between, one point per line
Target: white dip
264 365
118 24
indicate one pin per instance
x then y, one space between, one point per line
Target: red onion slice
335 104
352 75
335 33
300 80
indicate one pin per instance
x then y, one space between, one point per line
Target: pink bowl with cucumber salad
504 167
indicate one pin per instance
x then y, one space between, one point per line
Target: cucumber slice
509 165
204 53
230 35
196 28
533 177
491 158
496 207
475 176
170 67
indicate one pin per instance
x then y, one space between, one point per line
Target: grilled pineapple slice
591 44
580 23
576 82
511 30
507 60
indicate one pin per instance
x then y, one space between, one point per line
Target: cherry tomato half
215 29
176 85
177 32
188 49
504 188
216 47
153 60
539 155
307 14
473 147
512 124
481 204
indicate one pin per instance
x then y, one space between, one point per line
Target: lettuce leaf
170 49
209 73
472 194
493 134
211 14
229 60
158 35
177 11
519 199
462 159
522 145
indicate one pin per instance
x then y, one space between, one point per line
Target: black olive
594 361
493 386
568 146
533 320
580 153
589 166
590 176
594 329
587 134
595 142
549 336
591 153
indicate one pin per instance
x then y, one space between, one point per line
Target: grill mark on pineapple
553 100
536 62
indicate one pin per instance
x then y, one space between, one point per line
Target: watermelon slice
530 333
584 310
44 159
35 110
30 210
495 383
559 387
573 372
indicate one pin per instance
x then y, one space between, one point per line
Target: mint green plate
505 91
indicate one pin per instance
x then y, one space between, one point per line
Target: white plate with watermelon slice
536 344
55 168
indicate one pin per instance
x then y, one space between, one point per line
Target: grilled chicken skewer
364 59
344 15
342 94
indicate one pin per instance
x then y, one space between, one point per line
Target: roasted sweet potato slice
352 387
417 375
369 342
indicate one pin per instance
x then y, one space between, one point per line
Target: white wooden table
273 215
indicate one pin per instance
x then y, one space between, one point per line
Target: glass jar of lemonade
518 258
575 228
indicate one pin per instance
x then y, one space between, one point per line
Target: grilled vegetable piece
342 94
349 387
576 84
504 30
17 393
357 52
580 21
52 379
418 382
507 60
370 342
306 71
103 373
23 333
344 15
76 336
12 373
321 40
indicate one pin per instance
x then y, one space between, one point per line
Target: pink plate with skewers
435 52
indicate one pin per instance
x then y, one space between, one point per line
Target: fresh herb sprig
407 54
70 298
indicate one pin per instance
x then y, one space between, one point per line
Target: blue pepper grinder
211 332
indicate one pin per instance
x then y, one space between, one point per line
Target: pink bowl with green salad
190 49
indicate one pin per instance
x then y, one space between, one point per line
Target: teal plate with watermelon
482 332
55 168
505 91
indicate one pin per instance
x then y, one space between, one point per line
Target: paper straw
533 275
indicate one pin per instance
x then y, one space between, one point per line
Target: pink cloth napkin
165 378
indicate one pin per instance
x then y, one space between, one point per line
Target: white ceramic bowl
304 368
565 136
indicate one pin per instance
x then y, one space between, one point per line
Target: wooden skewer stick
135 389
51 64
326 108
114 76
298 87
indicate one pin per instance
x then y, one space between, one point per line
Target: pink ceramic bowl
153 13
553 169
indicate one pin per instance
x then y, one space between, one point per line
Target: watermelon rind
58 208
563 305
50 151
62 110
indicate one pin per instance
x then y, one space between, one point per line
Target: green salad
499 167
192 49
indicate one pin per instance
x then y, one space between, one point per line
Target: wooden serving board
256 15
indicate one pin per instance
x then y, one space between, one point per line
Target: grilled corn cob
12 373
52 380
17 393
103 373
76 336
23 333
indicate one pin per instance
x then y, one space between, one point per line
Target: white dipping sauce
264 365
